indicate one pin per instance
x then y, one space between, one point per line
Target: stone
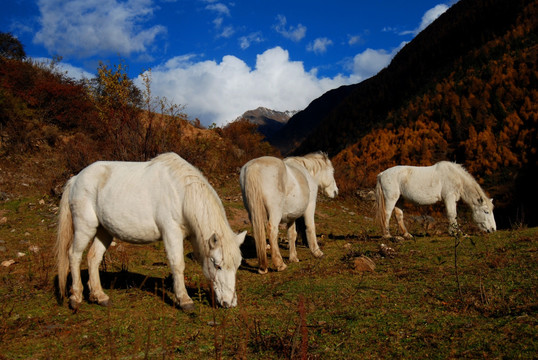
363 263
8 263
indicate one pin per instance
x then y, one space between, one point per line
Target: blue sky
222 58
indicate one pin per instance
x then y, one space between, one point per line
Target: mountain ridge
350 111
269 121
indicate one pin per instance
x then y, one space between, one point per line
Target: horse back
266 172
130 200
419 184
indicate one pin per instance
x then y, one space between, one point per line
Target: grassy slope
410 306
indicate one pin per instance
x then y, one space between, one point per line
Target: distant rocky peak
268 121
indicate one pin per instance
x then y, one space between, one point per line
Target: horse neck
313 166
471 189
206 217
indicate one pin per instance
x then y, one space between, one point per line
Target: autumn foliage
109 118
482 114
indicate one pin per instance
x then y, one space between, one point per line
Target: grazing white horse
281 191
142 202
444 181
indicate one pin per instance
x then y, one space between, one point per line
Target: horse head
327 182
220 267
483 214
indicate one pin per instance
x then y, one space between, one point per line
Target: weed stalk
457 241
304 329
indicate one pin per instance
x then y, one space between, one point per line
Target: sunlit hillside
52 126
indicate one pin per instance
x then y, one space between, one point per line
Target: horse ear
213 242
241 238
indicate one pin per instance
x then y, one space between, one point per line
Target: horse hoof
105 303
262 271
408 236
189 307
282 267
318 253
296 260
74 305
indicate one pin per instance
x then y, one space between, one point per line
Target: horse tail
257 213
64 239
380 215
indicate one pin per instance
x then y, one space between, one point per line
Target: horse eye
218 267
486 212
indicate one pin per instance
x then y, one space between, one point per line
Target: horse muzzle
229 304
332 194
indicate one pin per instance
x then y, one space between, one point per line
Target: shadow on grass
250 256
158 286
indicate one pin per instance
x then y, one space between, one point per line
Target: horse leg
390 204
311 231
273 241
398 213
450 203
95 256
173 243
292 238
81 240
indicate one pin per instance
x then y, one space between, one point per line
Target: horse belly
129 218
422 193
294 206
291 216
132 231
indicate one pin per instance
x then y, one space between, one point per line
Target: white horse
281 191
142 202
427 185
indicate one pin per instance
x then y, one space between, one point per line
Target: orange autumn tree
357 166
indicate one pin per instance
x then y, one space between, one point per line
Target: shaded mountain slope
343 115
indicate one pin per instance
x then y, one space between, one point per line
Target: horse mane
471 189
202 207
313 162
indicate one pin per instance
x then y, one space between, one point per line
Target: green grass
410 306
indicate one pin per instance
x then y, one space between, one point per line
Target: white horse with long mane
426 185
142 202
281 191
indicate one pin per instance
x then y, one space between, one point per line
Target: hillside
346 113
465 90
52 126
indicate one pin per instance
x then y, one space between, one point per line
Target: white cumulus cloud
371 61
429 16
71 71
90 27
219 92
